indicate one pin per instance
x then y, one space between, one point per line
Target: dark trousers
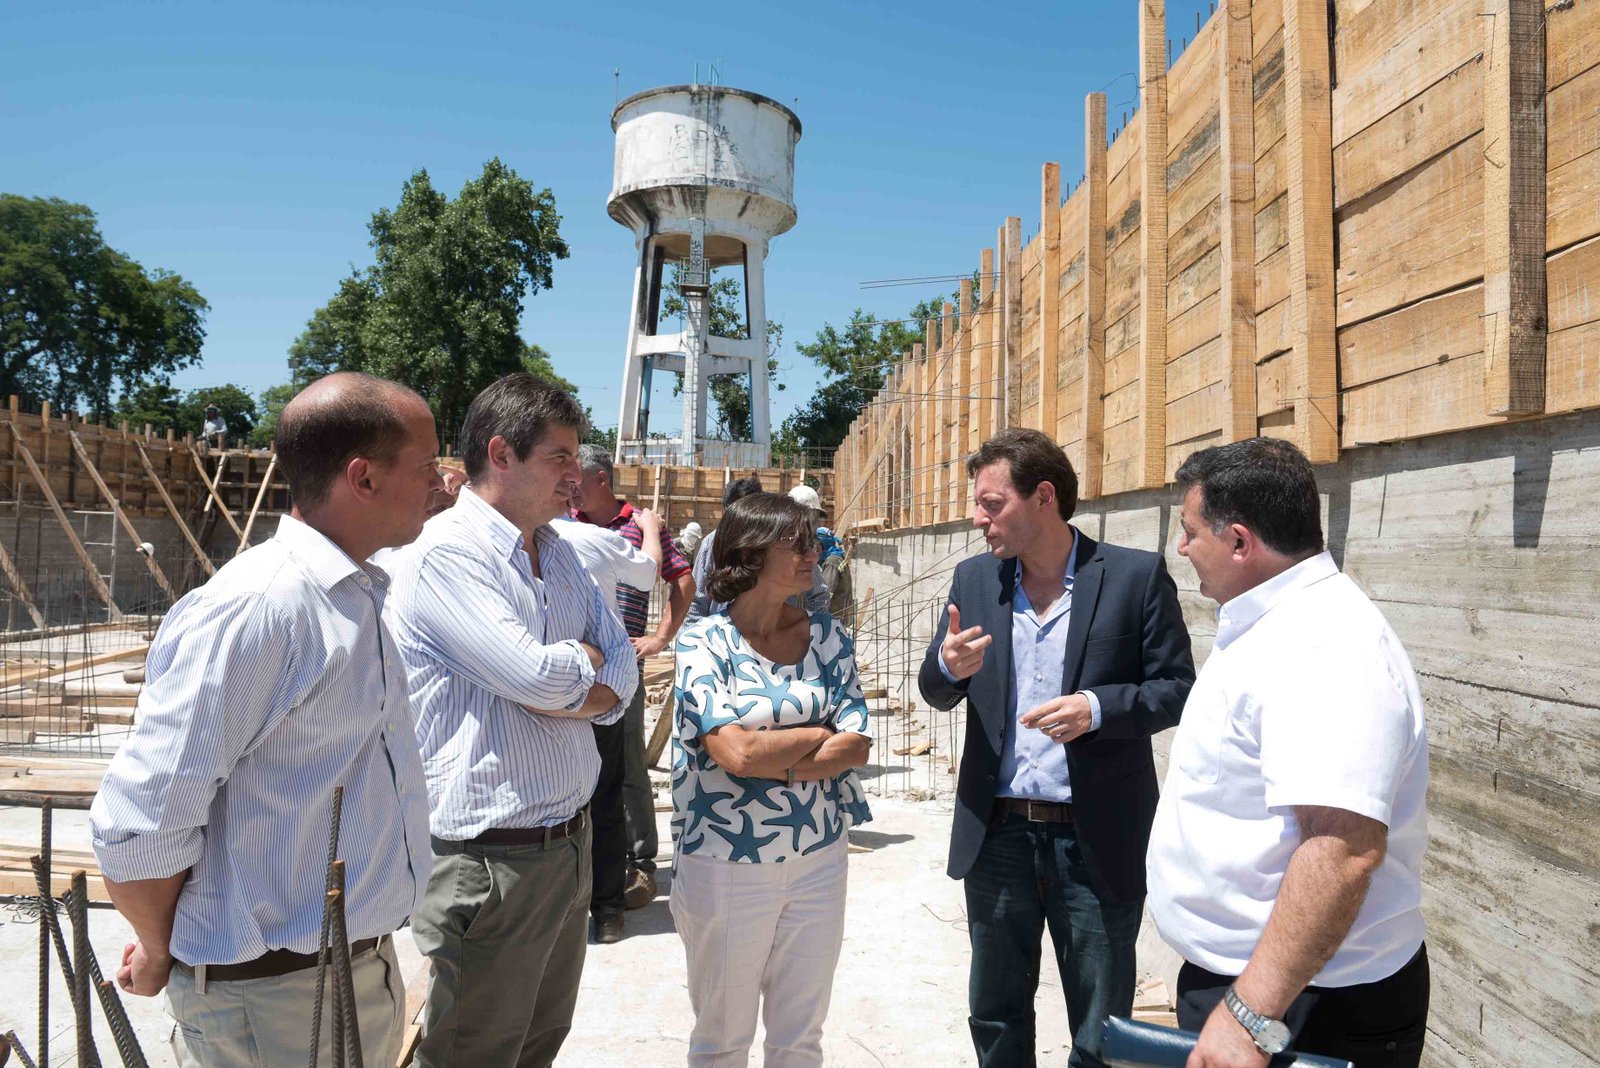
1373 1025
610 824
1027 877
638 798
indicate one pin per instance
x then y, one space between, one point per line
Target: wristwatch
1269 1035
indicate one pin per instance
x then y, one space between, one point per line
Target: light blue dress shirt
267 687
482 638
1031 764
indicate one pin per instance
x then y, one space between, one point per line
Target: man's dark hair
1265 484
520 408
1034 458
751 526
319 436
740 488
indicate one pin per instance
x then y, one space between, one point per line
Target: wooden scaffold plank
255 510
1514 284
1050 300
1090 479
213 497
172 510
122 516
1237 300
1152 463
89 568
1308 152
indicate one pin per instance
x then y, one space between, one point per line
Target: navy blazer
1127 643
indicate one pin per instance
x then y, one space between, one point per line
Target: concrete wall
1480 548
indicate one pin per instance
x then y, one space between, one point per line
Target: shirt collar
624 514
325 561
1243 612
503 533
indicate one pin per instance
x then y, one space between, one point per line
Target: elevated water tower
705 179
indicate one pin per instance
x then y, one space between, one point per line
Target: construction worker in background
625 843
215 429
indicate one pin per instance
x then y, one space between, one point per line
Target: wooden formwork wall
685 494
1343 224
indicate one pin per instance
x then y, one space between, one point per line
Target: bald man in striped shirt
512 655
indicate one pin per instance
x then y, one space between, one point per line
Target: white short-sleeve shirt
608 557
1307 699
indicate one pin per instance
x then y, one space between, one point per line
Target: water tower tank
704 177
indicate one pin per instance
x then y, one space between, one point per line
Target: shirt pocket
1197 749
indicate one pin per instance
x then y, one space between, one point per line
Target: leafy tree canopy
80 322
439 308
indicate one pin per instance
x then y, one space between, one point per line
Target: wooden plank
1572 190
1192 87
1574 285
1272 284
1195 370
1236 303
90 570
1049 299
1195 416
1572 39
1201 232
1272 386
261 495
1269 230
1193 328
1126 145
1092 403
1268 96
1435 399
122 517
24 594
1573 369
1514 208
211 491
1392 52
1191 161
1013 354
1152 456
1196 282
1415 238
1433 122
1124 267
1307 117
1432 331
172 510
1266 21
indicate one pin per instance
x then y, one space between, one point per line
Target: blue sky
246 146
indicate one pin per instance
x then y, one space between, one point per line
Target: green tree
730 392
857 359
155 402
440 307
537 362
237 408
273 398
81 322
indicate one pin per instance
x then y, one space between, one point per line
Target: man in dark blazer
1070 655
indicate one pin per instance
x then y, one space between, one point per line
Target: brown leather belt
522 836
269 965
1034 811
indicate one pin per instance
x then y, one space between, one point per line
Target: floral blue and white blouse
722 680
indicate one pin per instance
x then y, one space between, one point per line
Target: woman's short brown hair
750 527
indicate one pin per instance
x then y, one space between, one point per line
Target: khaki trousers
266 1023
506 929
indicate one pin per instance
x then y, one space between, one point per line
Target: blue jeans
1027 876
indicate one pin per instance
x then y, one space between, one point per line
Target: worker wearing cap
215 430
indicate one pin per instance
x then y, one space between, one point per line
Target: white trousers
760 935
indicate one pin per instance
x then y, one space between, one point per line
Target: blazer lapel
998 626
1085 595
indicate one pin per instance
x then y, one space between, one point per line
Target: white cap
691 527
807 496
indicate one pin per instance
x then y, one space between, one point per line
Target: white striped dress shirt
483 640
265 688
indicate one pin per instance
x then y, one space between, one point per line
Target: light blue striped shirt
484 640
265 688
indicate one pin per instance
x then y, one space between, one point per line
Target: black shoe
641 889
608 929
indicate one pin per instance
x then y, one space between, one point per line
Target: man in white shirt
511 655
611 559
1285 861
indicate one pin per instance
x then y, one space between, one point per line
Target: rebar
327 924
50 924
346 1054
46 828
87 1054
16 1047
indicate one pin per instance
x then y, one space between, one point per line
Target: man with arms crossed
267 687
1285 864
1070 654
511 653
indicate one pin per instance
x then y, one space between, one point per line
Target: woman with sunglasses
771 724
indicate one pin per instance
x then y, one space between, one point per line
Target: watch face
1273 1037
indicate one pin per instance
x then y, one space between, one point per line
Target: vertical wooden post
1237 301
964 354
1308 150
1050 300
1514 298
984 343
1008 355
1152 465
922 441
1090 479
